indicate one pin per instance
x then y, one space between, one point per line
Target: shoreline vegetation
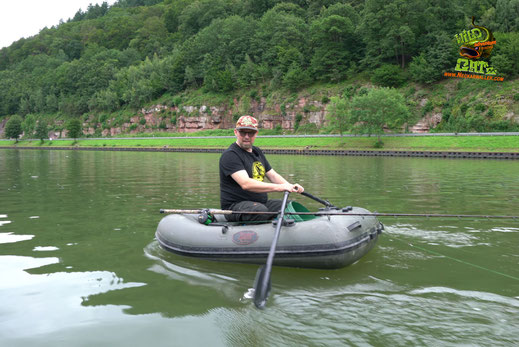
502 143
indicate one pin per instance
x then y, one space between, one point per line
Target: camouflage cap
247 122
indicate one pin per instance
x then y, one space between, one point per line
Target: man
243 168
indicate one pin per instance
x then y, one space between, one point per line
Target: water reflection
47 302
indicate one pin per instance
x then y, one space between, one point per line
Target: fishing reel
205 217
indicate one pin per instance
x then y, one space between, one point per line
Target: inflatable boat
332 240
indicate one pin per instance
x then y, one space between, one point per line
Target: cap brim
248 128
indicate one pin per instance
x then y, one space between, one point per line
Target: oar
339 213
324 202
262 282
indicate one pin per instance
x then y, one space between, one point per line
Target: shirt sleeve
230 163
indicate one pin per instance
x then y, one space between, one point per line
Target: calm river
79 265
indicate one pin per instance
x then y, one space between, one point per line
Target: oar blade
261 287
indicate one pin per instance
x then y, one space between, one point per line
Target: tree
74 128
28 125
225 42
338 113
200 14
279 33
440 55
150 37
377 110
295 77
507 12
42 129
504 55
13 127
336 44
388 76
390 30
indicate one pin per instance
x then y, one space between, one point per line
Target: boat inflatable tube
308 241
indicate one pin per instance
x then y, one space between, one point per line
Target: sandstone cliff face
188 119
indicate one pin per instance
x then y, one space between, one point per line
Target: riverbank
484 147
506 144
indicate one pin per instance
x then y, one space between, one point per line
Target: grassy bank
440 143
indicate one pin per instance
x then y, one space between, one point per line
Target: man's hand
292 188
298 188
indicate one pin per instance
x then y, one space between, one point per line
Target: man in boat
243 168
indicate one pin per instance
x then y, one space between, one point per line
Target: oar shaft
332 213
262 287
324 202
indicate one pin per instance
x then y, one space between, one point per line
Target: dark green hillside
120 58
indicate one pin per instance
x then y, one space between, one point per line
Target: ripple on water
445 235
385 314
202 274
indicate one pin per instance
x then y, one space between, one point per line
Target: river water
79 265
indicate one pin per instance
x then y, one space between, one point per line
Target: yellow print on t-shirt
258 171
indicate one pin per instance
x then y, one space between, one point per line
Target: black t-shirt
234 159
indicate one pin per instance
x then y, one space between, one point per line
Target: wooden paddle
262 281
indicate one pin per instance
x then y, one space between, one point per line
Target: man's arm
278 183
276 178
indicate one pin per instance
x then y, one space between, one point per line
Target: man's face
245 138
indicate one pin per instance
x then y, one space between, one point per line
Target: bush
422 71
298 120
253 94
142 121
388 76
480 107
309 128
427 108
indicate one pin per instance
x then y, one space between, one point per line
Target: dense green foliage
125 55
13 127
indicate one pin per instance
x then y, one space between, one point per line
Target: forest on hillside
135 51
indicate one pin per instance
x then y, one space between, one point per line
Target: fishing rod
344 212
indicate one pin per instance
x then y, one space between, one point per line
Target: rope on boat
339 213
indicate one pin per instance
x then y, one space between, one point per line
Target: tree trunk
403 56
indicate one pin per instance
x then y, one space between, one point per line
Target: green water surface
79 265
